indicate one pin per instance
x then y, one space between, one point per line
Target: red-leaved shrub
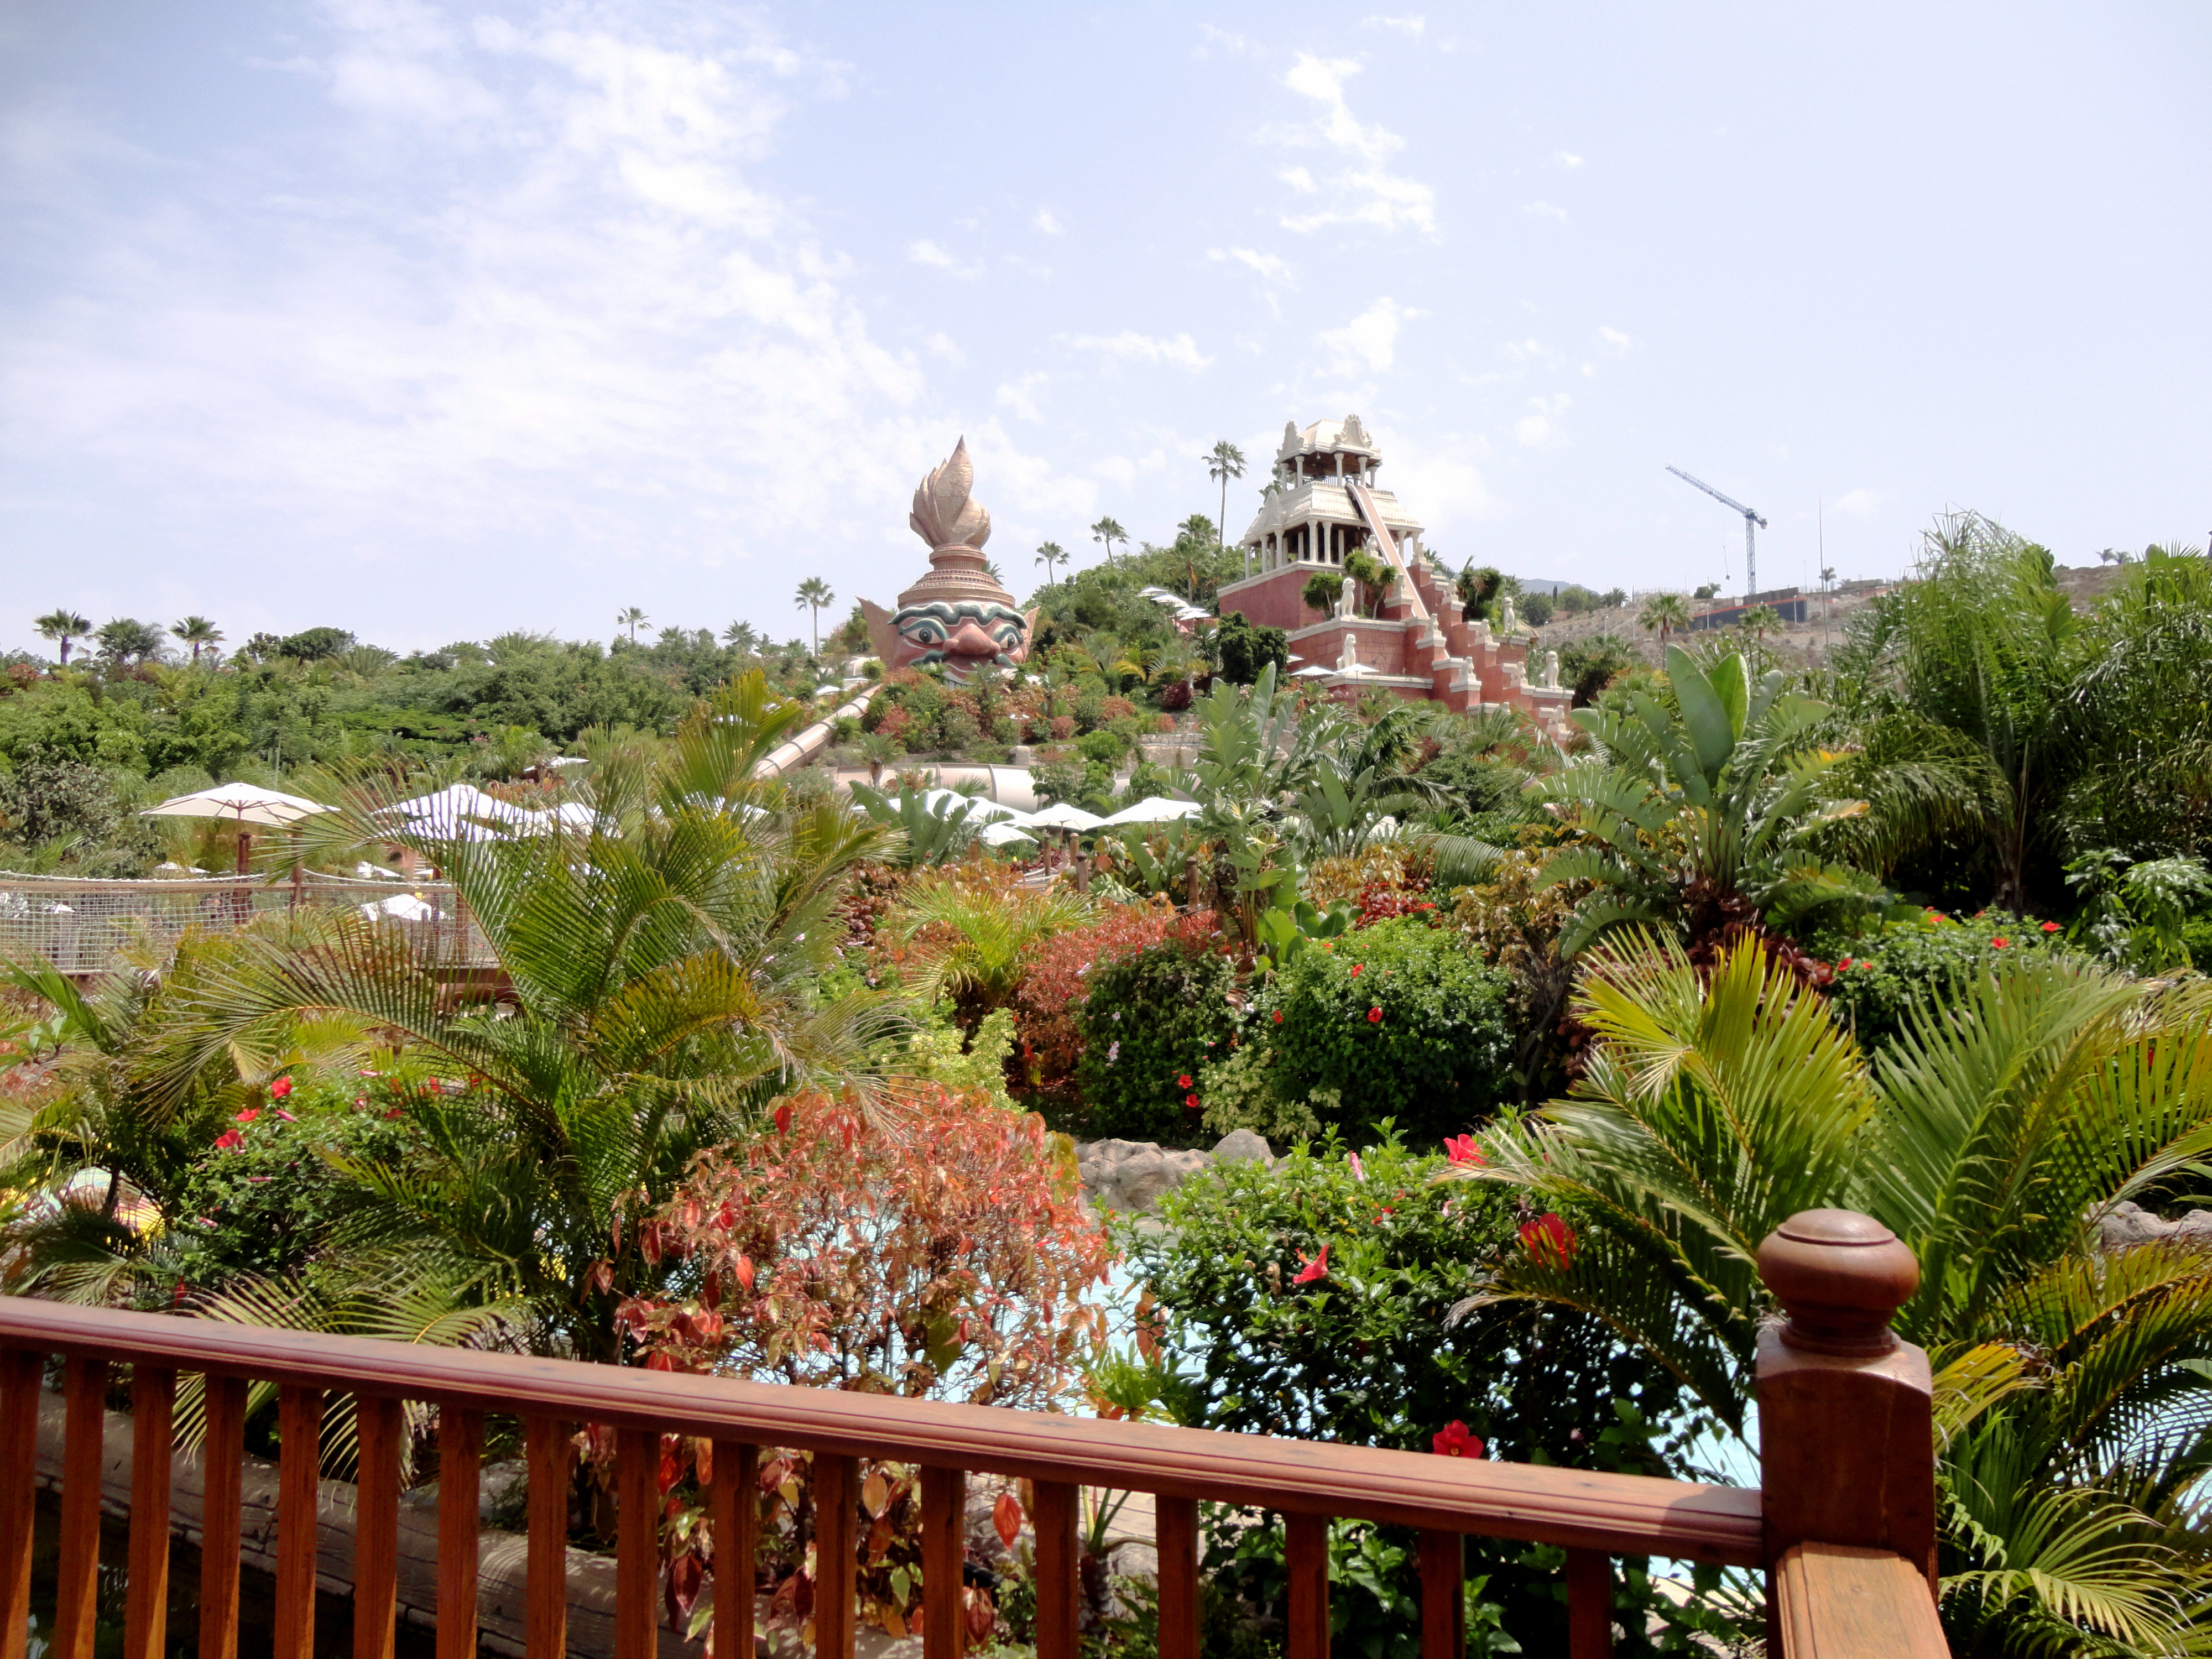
1058 981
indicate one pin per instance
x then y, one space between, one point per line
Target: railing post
299 1493
460 1465
19 1372
1846 1432
734 1512
1058 1582
221 1520
1305 1551
943 1551
146 1609
84 1386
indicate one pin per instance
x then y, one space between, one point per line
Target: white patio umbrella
248 802
454 802
1005 834
1158 809
1065 816
1314 672
980 810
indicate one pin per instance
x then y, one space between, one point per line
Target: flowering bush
1879 979
1059 981
1317 1299
941 1254
264 1196
1149 1023
1397 1021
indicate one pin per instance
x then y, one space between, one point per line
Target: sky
434 322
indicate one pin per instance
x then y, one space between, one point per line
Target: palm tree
813 594
1049 554
740 637
665 963
1991 1137
62 627
198 632
1666 613
126 641
1702 815
1759 621
1106 531
632 618
1226 462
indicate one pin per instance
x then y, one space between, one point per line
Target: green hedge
1880 978
1400 1021
1151 1021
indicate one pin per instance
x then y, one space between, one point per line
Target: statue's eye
922 631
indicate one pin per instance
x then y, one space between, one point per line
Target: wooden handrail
1615 1514
1845 1528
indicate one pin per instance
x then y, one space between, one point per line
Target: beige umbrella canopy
248 802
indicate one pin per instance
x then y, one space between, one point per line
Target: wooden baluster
1589 1605
1176 1528
545 1585
222 1490
944 1551
1846 1422
299 1487
152 1413
19 1375
1444 1598
1306 1559
837 1499
637 1542
460 1464
1058 1581
733 1511
382 1430
84 1387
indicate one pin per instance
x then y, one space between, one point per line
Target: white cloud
926 252
1131 347
1568 159
1530 351
1612 342
1264 264
1020 396
538 332
1365 193
1859 503
1545 210
941 345
1370 339
1046 222
1539 429
1416 26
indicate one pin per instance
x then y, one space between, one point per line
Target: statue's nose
969 640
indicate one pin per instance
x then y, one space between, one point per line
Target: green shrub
1396 1021
1371 1355
1103 747
1089 709
1881 976
2196 936
1148 1021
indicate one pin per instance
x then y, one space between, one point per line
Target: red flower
247 1115
280 1088
1460 1149
1312 1267
1356 967
228 1140
783 1119
1183 1081
2000 942
1845 963
1279 1016
1549 1240
2050 927
1454 1441
1190 1103
1374 1016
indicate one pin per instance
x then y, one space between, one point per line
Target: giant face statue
961 634
958 614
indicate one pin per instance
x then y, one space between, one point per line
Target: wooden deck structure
1844 1527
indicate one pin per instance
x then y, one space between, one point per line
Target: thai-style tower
1322 503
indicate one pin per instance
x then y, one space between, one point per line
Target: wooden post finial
1841 1277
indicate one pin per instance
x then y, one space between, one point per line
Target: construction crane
1750 518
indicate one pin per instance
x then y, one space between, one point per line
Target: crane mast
1750 518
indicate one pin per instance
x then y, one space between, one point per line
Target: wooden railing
1847 1530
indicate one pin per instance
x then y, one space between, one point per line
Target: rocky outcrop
2124 1226
1135 1175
